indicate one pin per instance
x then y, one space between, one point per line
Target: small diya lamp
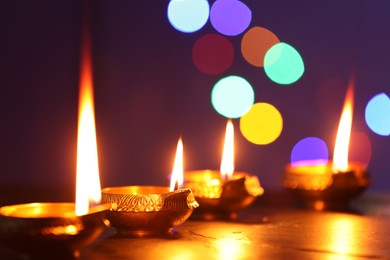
222 194
151 210
60 230
330 186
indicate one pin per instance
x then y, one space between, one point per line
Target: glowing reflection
230 17
232 96
283 64
262 124
62 230
309 151
212 54
255 44
378 114
343 236
188 15
359 148
229 248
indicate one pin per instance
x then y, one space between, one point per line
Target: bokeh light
230 17
188 15
283 64
255 43
212 54
330 96
309 151
262 124
378 114
232 96
359 148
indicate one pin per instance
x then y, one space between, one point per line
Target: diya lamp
330 186
221 194
60 230
151 210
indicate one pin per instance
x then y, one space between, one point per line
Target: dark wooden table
273 228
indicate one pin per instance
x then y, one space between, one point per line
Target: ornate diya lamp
320 188
57 230
222 194
222 198
147 210
330 186
151 210
42 230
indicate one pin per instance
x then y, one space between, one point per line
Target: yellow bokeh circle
262 124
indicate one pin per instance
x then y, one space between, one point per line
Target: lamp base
326 190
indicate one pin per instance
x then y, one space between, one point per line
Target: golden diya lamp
59 230
222 194
151 210
330 186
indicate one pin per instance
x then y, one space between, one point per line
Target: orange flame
340 155
177 172
227 162
87 177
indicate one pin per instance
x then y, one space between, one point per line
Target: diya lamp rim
131 190
217 173
131 201
352 166
61 210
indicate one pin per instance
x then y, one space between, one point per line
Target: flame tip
340 155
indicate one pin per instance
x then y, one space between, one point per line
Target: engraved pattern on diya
147 210
222 198
317 187
50 230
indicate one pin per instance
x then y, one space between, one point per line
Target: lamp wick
176 185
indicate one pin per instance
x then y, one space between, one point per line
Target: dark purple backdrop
148 92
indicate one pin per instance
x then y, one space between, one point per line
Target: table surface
265 230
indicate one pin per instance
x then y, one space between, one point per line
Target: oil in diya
222 194
60 230
151 210
330 186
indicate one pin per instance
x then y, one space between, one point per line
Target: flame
227 162
177 172
340 155
87 178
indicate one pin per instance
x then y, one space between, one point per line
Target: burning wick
176 185
88 190
227 162
340 155
177 172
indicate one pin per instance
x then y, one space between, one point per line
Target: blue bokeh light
232 96
188 16
378 114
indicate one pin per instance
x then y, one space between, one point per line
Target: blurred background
149 91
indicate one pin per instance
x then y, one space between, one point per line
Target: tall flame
340 155
87 178
177 172
227 162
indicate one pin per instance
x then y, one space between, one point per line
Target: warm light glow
227 163
343 239
229 248
177 172
340 155
87 179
